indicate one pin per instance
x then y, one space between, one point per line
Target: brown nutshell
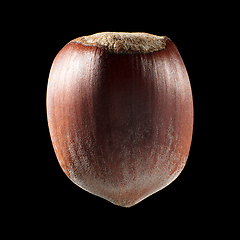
120 114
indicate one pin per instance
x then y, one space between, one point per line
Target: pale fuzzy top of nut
125 42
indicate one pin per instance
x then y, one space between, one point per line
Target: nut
120 114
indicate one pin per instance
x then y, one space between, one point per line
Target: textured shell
121 124
124 42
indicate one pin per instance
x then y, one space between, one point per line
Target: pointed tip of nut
123 42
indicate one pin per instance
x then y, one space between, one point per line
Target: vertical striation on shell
120 114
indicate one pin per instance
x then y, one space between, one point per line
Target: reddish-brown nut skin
121 124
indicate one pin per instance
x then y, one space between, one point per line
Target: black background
46 191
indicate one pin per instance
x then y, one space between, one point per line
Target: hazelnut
120 114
